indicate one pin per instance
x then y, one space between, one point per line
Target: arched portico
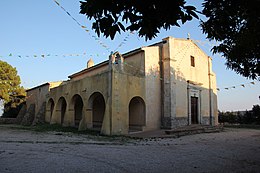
77 106
61 107
49 110
136 114
96 107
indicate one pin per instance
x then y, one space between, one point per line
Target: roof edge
88 69
47 83
125 55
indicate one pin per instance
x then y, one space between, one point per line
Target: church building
165 85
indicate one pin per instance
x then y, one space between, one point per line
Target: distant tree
221 117
10 90
232 118
227 117
240 118
234 23
256 113
248 118
12 108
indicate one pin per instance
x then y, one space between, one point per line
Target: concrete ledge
178 132
194 129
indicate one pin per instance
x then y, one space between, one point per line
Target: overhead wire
93 36
83 26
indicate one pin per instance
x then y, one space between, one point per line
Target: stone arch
137 113
49 109
77 106
97 106
62 107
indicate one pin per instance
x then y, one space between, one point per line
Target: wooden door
194 110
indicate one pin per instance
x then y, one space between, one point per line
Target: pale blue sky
35 27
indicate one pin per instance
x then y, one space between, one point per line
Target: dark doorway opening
97 105
136 114
78 107
50 108
63 109
194 110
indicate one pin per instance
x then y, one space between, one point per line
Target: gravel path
234 150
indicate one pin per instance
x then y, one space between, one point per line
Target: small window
192 61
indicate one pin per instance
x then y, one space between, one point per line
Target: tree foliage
10 88
236 25
256 113
145 16
227 117
249 117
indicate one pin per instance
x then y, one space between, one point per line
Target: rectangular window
192 61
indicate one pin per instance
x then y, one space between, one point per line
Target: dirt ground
234 150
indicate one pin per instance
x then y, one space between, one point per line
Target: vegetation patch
247 118
246 126
60 130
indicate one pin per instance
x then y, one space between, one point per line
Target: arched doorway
136 114
49 110
97 106
78 108
62 106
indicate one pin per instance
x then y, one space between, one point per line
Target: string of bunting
88 31
181 52
44 55
236 86
124 41
83 27
204 43
243 85
10 82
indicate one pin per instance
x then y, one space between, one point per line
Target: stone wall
40 116
29 116
171 123
21 114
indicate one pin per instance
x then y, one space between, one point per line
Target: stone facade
165 85
21 114
29 116
36 104
39 118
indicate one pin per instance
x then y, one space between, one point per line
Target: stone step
188 130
